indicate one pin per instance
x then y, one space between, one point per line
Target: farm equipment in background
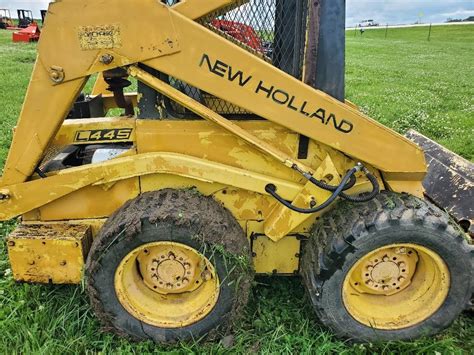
43 16
29 34
225 163
28 28
6 21
25 18
240 32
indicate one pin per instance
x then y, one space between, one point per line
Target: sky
382 11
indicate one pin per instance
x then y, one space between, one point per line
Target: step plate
49 253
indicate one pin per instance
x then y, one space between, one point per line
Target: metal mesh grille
274 30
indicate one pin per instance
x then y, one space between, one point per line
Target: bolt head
402 264
106 59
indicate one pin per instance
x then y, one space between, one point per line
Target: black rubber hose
365 197
271 189
327 187
350 184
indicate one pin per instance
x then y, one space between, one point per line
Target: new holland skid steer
235 156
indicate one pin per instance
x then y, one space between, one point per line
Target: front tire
169 266
394 268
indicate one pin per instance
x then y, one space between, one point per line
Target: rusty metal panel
450 180
49 253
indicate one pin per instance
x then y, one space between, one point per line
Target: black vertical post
330 65
429 33
386 30
289 41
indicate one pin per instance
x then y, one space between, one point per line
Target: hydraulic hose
271 189
347 182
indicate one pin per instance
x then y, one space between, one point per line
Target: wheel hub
386 272
171 269
167 284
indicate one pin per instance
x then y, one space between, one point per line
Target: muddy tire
169 219
354 242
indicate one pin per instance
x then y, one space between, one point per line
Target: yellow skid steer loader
237 155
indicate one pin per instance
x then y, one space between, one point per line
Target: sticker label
99 37
97 135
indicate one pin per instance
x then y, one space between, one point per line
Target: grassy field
403 81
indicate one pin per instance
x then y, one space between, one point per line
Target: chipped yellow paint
49 253
70 180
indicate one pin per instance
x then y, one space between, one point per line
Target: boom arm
180 47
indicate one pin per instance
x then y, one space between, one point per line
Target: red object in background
29 34
241 32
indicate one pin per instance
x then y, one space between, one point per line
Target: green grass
403 81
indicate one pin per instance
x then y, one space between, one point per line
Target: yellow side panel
208 141
91 202
271 257
49 253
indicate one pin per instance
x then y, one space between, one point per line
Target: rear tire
172 224
354 242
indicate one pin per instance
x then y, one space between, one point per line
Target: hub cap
167 284
396 286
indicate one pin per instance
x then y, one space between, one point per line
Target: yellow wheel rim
396 286
166 284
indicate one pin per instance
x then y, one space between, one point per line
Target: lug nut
401 250
171 256
185 281
187 266
401 278
402 264
369 282
385 258
206 275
